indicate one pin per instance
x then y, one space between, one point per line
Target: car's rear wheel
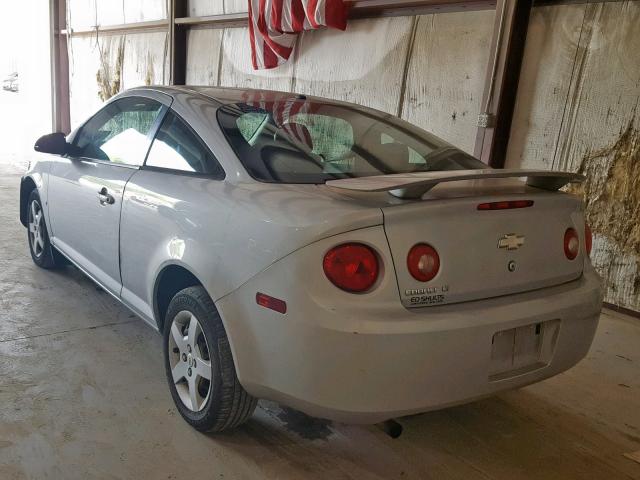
43 253
199 365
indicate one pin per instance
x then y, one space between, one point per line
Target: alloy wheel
190 361
36 228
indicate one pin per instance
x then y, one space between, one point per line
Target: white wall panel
205 7
94 66
102 67
605 87
547 65
110 12
81 14
203 56
363 65
144 55
144 10
600 136
236 68
87 13
236 6
446 73
577 111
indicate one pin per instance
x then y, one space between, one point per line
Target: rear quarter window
177 147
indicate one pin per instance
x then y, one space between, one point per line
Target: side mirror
55 143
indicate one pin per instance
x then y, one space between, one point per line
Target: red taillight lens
272 303
352 267
588 238
423 262
571 243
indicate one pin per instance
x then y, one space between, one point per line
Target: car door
85 191
172 207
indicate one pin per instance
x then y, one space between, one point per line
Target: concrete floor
83 395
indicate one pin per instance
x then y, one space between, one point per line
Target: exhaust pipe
391 428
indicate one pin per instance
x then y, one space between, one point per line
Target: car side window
118 132
177 147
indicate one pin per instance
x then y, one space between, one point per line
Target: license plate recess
522 349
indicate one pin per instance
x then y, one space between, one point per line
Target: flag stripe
312 11
297 15
274 24
276 14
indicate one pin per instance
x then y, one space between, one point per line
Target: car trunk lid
484 253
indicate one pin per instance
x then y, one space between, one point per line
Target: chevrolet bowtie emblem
511 241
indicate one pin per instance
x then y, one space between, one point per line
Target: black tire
228 404
43 253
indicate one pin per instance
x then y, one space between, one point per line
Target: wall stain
109 77
611 193
148 78
613 198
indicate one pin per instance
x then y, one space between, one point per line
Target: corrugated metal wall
576 106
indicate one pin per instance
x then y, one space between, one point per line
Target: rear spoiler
415 185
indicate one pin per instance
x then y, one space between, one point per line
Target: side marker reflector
271 303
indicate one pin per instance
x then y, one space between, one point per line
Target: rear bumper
376 362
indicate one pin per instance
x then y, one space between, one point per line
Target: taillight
352 267
588 238
505 205
571 243
423 262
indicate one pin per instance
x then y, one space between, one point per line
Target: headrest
299 132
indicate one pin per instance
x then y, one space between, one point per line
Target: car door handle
105 198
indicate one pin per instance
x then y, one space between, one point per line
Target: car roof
229 95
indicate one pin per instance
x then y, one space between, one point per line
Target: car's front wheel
43 253
199 365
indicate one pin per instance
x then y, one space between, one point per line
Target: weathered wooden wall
577 110
87 13
430 68
576 105
102 65
216 7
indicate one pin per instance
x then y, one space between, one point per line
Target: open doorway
25 76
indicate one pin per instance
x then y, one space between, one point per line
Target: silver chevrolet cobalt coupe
320 254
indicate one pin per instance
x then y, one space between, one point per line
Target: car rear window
295 140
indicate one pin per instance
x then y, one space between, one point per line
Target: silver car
324 255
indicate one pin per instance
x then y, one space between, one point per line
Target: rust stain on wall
148 78
612 198
612 190
109 77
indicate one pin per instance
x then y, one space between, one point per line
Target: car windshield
294 140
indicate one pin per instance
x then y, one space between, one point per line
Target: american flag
284 108
274 25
